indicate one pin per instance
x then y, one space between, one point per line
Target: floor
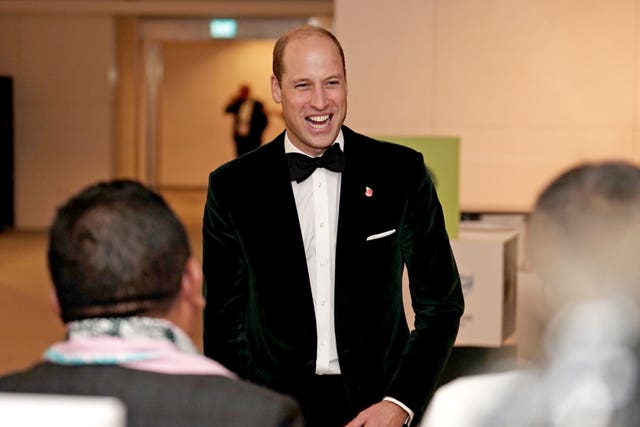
28 323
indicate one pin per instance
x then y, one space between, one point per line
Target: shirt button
323 302
322 225
319 184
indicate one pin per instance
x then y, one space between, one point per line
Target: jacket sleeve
436 294
225 285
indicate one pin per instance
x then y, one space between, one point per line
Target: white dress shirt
317 201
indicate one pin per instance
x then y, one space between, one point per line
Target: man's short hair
301 32
585 228
116 249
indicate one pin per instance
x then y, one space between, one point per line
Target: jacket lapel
277 210
352 195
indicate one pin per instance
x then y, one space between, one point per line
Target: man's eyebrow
299 80
335 76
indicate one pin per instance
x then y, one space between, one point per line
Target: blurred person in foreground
128 290
584 240
304 243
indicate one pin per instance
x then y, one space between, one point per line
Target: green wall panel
442 157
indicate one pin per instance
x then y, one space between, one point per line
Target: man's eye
301 85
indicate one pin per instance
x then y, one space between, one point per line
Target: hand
382 414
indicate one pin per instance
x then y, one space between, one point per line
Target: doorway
199 80
189 79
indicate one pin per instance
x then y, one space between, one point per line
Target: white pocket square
381 235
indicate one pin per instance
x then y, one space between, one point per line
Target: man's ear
276 92
191 287
53 300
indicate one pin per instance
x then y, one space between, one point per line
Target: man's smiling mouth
318 122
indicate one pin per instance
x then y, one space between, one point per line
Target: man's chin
324 141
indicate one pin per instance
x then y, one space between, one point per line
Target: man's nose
319 98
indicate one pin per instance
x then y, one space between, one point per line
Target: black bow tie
301 166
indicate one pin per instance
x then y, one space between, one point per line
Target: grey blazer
157 400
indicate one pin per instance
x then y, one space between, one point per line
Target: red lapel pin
368 191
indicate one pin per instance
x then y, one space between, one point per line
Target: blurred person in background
249 120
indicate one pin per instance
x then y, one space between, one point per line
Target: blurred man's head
244 92
585 231
116 249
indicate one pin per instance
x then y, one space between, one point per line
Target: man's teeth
318 121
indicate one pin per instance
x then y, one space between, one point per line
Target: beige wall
199 79
128 147
62 68
530 87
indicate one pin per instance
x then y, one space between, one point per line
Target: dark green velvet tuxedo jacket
259 320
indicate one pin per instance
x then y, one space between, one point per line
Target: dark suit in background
249 121
259 319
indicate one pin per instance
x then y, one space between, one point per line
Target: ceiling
237 8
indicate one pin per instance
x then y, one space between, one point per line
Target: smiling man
305 240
